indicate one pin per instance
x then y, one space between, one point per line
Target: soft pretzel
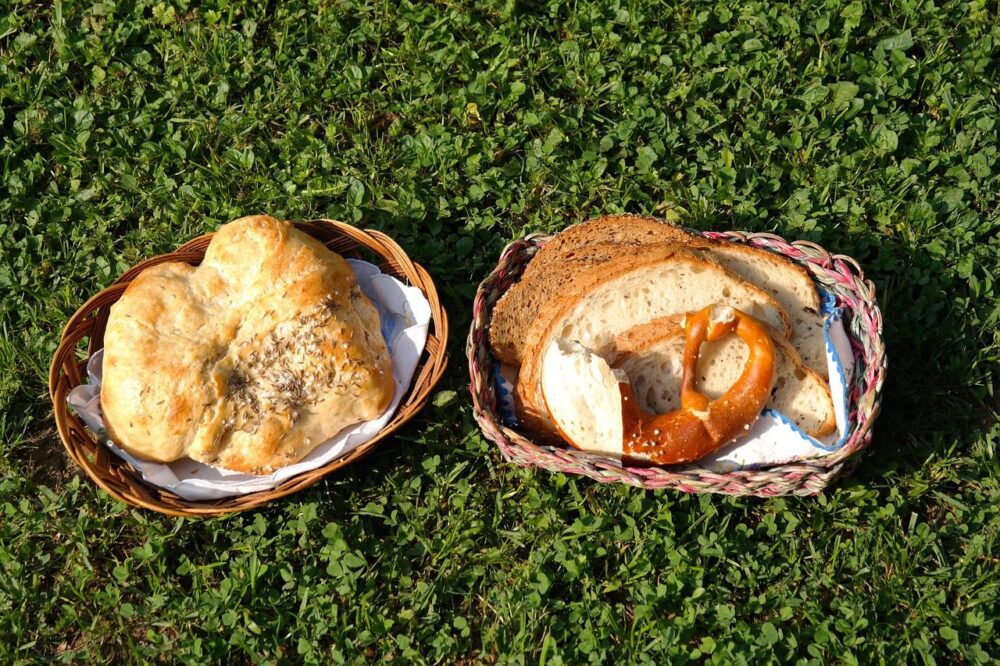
594 407
702 425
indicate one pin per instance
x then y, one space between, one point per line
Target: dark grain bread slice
788 282
517 309
618 229
558 262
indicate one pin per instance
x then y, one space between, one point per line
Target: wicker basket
838 274
120 480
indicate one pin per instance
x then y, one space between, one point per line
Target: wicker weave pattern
122 481
838 274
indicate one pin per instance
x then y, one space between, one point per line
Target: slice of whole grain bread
619 229
788 282
561 259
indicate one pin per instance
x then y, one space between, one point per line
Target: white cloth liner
405 316
773 439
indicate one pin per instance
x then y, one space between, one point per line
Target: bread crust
248 361
519 306
600 240
790 284
621 230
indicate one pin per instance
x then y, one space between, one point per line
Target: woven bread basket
120 480
838 274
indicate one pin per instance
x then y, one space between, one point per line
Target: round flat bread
248 361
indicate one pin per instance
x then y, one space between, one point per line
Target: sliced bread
652 354
618 229
788 282
520 305
791 286
559 261
655 281
581 396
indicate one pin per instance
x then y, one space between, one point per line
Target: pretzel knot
703 425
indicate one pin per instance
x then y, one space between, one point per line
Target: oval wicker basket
120 480
838 274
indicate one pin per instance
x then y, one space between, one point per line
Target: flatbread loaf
248 361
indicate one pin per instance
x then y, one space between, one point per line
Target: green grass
128 128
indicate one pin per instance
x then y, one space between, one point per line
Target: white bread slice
655 281
560 260
580 392
791 286
788 282
652 355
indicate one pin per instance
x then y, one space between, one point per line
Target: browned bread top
589 243
557 261
248 361
618 229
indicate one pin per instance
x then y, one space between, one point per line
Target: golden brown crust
248 361
641 336
702 425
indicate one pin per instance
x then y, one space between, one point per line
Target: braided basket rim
839 274
119 479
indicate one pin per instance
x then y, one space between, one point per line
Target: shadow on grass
42 457
933 402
